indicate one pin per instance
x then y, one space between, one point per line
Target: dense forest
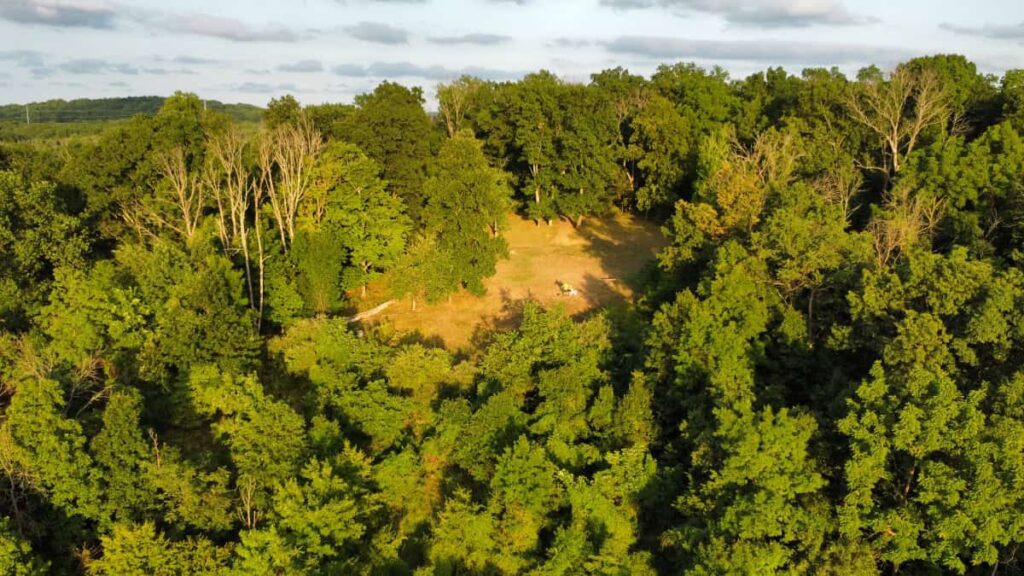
99 109
823 372
88 116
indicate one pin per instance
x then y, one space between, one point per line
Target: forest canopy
822 372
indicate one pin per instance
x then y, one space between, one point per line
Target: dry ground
600 260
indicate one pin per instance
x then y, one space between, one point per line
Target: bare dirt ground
600 260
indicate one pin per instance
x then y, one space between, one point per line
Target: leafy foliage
820 375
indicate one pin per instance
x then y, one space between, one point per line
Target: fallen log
371 312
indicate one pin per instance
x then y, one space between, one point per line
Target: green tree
316 264
972 95
977 188
264 436
624 94
96 319
1011 95
329 119
351 201
667 152
585 160
466 205
427 270
534 113
140 549
110 172
16 557
283 110
53 447
38 233
925 472
320 517
123 455
200 311
391 127
704 98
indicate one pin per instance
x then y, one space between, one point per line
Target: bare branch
291 149
899 110
186 190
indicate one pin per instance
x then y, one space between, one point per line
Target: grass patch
600 260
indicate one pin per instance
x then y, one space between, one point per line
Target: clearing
600 260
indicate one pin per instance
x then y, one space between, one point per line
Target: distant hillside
103 109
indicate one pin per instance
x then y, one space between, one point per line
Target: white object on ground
371 312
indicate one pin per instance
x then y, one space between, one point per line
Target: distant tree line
100 109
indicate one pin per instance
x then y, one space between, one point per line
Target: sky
331 50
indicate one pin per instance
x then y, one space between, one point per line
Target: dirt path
598 260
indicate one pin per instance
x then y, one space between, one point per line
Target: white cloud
59 13
994 31
760 13
767 52
302 66
378 33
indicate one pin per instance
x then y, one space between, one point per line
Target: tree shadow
600 291
418 337
657 515
508 318
623 246
347 307
450 565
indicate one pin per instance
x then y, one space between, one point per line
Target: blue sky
331 50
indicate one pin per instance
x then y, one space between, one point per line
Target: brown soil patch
600 260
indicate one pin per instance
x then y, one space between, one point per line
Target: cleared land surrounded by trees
601 260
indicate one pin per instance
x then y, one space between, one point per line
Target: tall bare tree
453 100
187 192
258 193
229 184
840 186
227 179
908 220
898 110
178 207
286 156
